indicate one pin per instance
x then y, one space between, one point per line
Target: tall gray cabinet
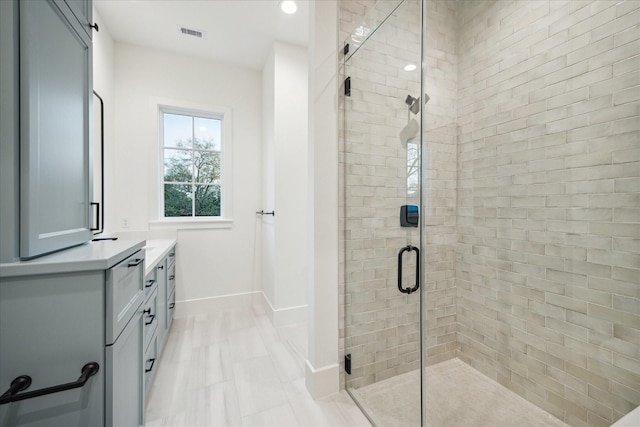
46 88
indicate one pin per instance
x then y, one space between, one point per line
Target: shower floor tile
456 395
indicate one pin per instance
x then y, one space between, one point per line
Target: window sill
190 224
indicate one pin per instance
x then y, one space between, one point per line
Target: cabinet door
125 386
55 110
83 11
50 327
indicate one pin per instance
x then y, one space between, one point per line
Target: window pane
207 200
208 133
177 165
177 200
207 167
178 130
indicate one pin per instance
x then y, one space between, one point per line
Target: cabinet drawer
150 284
150 362
150 317
124 294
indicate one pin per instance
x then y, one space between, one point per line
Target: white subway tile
627 95
615 84
593 49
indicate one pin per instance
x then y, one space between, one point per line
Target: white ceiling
240 32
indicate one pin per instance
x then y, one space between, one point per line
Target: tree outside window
192 154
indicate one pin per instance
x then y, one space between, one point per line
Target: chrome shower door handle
402 289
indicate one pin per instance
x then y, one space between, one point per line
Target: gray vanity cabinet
55 63
171 289
62 311
161 277
125 294
159 308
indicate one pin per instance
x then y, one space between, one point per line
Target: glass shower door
381 209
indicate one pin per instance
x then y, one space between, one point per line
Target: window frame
212 112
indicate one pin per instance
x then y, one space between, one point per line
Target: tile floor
456 395
235 369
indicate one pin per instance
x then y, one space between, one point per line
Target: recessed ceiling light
288 6
410 67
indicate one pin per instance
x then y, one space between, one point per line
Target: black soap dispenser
409 216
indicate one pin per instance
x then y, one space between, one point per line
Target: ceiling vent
191 32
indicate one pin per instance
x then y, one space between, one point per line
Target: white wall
285 140
268 178
291 170
211 261
322 370
285 172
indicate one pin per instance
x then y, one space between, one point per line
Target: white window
194 147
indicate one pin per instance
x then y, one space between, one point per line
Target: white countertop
155 251
100 255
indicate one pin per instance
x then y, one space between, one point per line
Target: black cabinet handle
153 361
151 316
172 277
24 381
97 227
149 283
172 305
94 26
161 267
135 262
147 311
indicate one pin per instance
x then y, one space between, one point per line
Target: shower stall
490 211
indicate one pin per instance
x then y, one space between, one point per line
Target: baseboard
198 306
323 381
284 316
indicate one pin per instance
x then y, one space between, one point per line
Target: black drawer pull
149 283
161 267
172 305
135 262
153 361
147 311
172 254
151 316
24 381
172 277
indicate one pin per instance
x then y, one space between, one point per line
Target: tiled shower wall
532 163
351 15
439 181
382 325
548 273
